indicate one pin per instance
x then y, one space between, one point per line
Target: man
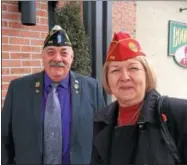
47 116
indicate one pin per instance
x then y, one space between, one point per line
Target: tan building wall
152 31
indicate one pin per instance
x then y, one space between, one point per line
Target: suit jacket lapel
37 104
75 103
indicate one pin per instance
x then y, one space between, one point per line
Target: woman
129 130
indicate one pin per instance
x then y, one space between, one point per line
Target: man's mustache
57 64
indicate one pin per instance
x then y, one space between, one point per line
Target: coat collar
146 115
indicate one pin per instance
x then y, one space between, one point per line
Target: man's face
57 61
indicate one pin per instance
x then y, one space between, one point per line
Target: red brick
42 2
37 20
36 56
31 63
35 70
38 5
36 49
122 16
11 48
4 40
12 8
16 25
21 41
20 70
13 2
37 42
10 63
10 32
4 6
5 55
30 34
4 86
4 93
26 48
5 70
42 13
44 35
20 56
39 28
8 78
5 23
10 16
43 21
19 47
44 6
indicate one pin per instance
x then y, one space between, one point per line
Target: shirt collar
63 83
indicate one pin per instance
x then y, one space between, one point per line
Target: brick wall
21 45
124 16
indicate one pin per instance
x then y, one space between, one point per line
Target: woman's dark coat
142 143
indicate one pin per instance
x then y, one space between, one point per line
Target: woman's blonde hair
150 75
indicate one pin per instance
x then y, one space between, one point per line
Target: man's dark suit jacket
22 135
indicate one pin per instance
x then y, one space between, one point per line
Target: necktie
52 129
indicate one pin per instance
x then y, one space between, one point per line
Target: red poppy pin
164 117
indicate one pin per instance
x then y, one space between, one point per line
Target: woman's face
127 81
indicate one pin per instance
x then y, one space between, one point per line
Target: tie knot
54 85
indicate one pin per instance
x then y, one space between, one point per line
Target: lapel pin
37 84
76 86
76 81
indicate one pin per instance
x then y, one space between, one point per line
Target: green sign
177 42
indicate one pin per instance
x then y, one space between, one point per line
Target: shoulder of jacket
176 106
25 79
175 110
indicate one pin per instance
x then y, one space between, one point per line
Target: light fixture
28 12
